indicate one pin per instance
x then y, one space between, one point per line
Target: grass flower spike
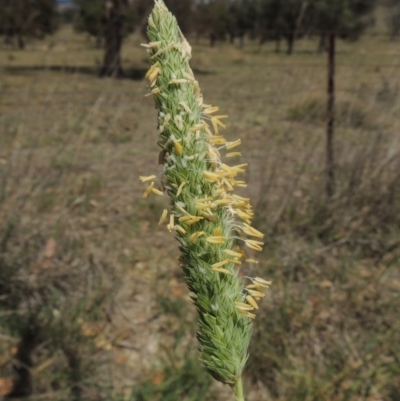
205 215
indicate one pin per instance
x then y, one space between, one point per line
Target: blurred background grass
92 302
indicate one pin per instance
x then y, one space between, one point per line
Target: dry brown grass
103 277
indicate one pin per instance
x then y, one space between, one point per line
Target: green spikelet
205 214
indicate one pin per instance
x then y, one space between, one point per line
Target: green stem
238 389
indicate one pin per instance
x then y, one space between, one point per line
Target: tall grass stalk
209 220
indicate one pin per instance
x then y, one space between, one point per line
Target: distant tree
348 19
183 10
109 21
92 15
214 19
282 19
27 18
114 29
393 17
241 19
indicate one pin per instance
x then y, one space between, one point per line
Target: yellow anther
251 301
148 190
210 110
248 314
185 107
256 245
180 229
157 191
217 231
178 81
233 253
222 270
163 217
215 121
217 140
171 224
252 231
231 145
262 282
151 45
209 216
215 239
244 307
196 235
147 178
179 191
256 294
178 148
210 176
222 263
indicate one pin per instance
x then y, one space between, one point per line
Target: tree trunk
278 44
21 41
290 43
115 13
23 364
213 39
74 364
322 43
241 40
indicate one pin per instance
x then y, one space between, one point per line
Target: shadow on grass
135 74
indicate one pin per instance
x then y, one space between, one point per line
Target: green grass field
85 258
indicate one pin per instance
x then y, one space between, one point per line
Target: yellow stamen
251 301
219 264
147 178
171 224
217 231
233 154
252 261
244 307
180 188
186 107
217 140
215 121
151 45
148 190
180 229
209 216
198 127
196 235
210 110
215 239
233 253
179 122
231 145
248 314
202 200
203 206
163 217
178 148
256 245
243 216
239 168
254 286
262 282
252 231
178 81
256 294
157 191
210 176
222 270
